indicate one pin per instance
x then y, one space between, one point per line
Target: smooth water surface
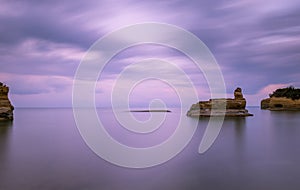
42 149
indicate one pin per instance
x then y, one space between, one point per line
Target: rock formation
280 104
282 99
6 108
215 107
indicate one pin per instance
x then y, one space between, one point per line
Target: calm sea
42 149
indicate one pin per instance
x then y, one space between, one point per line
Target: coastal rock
6 108
234 107
283 99
280 104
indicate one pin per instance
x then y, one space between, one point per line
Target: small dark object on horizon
150 111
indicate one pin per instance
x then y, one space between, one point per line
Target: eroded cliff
6 108
215 107
282 99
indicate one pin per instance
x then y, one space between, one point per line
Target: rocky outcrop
282 99
6 108
280 104
214 107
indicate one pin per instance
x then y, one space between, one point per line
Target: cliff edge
234 107
6 108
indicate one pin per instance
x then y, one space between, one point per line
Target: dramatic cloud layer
256 43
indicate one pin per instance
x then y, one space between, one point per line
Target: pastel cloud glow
256 44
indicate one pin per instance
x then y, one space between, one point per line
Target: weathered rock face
280 104
215 107
282 99
6 108
238 93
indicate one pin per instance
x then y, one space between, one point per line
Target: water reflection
238 123
5 124
5 130
44 150
234 127
291 112
239 126
237 146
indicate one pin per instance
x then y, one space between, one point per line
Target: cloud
32 84
256 43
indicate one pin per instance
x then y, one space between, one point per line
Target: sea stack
283 99
235 107
6 108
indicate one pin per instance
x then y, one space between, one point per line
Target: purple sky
256 43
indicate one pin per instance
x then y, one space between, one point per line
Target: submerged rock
6 108
149 111
215 107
